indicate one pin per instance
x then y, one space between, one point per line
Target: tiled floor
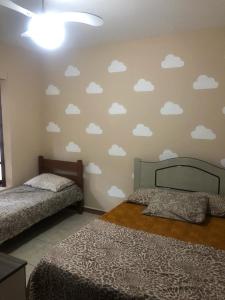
37 241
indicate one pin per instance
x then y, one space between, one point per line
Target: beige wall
21 103
201 52
27 112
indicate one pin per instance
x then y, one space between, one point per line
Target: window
2 161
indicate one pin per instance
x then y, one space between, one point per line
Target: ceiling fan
47 29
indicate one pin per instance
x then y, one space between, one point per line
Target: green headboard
183 173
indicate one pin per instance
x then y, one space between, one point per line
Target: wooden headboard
183 173
71 170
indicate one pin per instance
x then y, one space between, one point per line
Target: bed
126 255
23 206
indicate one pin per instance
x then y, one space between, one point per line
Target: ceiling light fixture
47 29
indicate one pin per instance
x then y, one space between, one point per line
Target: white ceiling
124 19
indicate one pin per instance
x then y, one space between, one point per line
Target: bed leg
79 206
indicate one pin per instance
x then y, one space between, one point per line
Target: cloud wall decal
115 192
94 88
167 154
117 109
143 86
171 108
223 110
94 129
53 127
142 130
171 61
72 147
52 90
72 110
117 67
116 150
223 162
72 71
203 82
92 168
203 133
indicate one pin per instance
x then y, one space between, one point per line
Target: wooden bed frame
182 173
68 169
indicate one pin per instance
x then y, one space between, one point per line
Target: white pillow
49 182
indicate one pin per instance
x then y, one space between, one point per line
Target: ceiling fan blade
11 5
80 17
25 34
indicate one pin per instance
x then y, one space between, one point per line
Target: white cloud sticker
72 147
167 154
116 150
143 86
204 82
94 88
72 110
171 108
72 71
203 133
223 110
117 109
94 129
142 130
171 62
92 168
115 192
52 90
117 67
53 127
223 162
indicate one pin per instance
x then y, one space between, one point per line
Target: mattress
135 261
23 206
210 233
107 261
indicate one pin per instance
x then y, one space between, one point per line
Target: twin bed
23 206
127 255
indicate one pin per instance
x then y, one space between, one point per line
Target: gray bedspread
23 206
104 261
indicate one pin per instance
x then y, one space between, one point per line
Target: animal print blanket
104 261
23 206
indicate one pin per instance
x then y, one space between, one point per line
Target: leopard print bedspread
23 206
107 261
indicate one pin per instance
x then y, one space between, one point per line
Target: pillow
188 207
143 196
49 182
216 205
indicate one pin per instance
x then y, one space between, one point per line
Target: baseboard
94 210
